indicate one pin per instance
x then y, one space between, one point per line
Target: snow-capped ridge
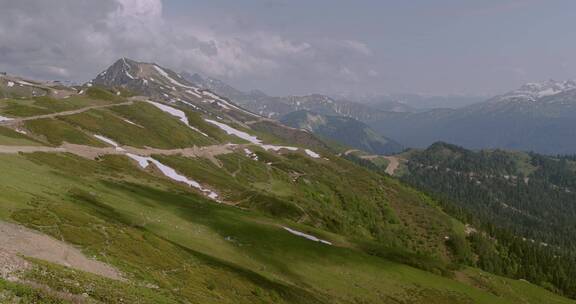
534 91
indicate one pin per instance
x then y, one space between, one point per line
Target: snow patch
109 141
188 104
2 118
172 80
307 236
132 123
10 84
534 91
26 83
231 131
176 113
254 140
250 154
169 172
128 68
142 161
312 153
223 103
193 93
278 148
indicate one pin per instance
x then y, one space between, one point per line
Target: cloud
353 45
73 39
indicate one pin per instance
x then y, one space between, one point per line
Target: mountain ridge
344 130
536 118
275 107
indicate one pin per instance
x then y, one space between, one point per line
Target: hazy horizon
299 47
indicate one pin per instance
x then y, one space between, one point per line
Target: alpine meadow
257 151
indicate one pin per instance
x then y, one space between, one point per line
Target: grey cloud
75 38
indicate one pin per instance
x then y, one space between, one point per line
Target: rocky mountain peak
163 84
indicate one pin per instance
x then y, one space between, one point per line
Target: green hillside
525 200
200 208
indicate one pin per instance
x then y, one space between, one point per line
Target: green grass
19 293
103 290
56 132
161 131
380 162
47 105
163 234
275 187
517 290
21 92
103 94
12 138
175 246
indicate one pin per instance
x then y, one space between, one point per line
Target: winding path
18 120
93 152
393 161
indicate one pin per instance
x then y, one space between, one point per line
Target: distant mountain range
345 130
412 102
275 107
337 121
538 117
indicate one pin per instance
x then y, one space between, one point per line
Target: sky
284 47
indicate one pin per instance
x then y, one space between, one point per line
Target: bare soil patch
16 241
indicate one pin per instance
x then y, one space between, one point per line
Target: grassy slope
175 246
162 234
10 137
32 106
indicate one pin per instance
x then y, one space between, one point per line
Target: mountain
537 117
344 130
532 92
164 85
392 106
151 80
140 187
15 87
275 107
412 102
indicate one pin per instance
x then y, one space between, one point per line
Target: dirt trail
93 152
350 151
65 113
393 165
394 161
17 240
